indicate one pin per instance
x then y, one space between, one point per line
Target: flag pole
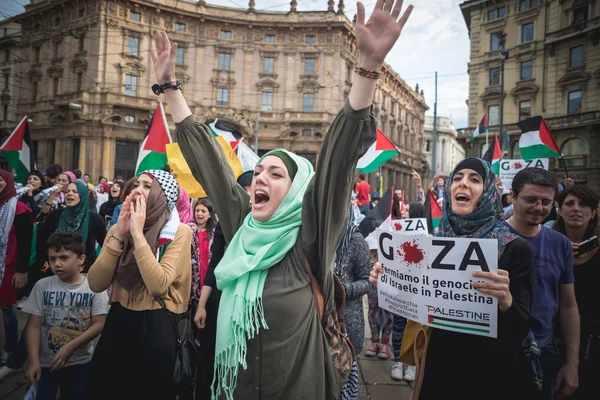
564 165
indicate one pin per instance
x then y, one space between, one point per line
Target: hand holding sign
499 287
374 274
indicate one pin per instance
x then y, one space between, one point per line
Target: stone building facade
449 151
86 75
552 70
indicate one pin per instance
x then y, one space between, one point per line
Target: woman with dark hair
36 183
75 217
578 221
270 341
114 199
202 235
124 193
472 208
146 261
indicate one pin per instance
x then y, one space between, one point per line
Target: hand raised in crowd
164 58
499 287
417 178
62 356
124 217
568 182
138 215
376 37
374 274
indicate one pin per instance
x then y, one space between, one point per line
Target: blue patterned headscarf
485 221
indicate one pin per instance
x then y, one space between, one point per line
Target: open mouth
462 199
260 198
69 199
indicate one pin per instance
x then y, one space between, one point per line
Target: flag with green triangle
18 151
379 153
433 212
229 132
493 155
481 128
537 141
153 153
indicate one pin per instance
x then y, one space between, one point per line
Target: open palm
164 58
377 36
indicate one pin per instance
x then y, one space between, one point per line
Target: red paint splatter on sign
398 226
518 165
411 253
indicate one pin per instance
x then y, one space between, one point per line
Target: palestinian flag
458 325
433 212
493 155
379 153
153 154
18 151
231 134
536 140
380 216
481 128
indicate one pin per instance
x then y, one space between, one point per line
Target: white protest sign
509 168
428 280
413 226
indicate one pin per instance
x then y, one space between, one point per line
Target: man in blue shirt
534 191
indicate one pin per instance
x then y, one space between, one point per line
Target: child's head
66 253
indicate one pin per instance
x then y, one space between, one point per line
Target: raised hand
164 58
138 216
124 218
377 36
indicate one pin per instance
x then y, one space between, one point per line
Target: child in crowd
65 317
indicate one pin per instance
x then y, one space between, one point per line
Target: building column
106 156
82 153
59 151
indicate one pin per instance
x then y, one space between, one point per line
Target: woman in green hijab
75 217
270 342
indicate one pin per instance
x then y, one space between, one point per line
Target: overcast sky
435 39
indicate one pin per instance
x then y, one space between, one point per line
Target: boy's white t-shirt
66 312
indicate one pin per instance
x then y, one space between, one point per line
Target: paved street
376 383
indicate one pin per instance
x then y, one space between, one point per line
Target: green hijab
77 218
242 272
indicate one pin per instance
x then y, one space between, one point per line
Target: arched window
575 152
516 151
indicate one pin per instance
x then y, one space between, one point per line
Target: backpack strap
317 294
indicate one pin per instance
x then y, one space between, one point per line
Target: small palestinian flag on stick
379 153
493 155
433 212
537 141
481 128
153 154
18 151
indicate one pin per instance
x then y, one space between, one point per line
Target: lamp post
503 58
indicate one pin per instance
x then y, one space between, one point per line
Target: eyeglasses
533 201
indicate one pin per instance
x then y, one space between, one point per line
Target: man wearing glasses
533 192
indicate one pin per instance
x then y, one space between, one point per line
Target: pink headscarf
184 208
71 176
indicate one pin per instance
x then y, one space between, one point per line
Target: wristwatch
160 89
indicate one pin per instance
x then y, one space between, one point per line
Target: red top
204 250
362 190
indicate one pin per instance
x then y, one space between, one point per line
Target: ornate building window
575 153
131 85
135 16
311 39
494 115
574 102
226 34
524 109
526 70
222 97
494 76
308 102
180 27
269 65
576 57
180 56
309 66
267 102
269 38
224 61
580 11
133 46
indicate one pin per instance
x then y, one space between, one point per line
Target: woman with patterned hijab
472 208
146 255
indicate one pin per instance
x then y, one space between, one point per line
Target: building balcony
573 31
574 120
142 103
307 117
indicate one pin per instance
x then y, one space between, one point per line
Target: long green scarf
77 218
242 273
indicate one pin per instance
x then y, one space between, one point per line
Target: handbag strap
316 289
164 307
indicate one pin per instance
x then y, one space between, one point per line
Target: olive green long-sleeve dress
291 359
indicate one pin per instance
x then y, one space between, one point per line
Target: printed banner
509 168
412 227
428 280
